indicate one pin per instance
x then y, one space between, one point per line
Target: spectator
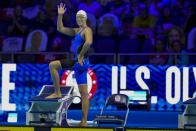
155 7
187 12
119 7
135 7
36 41
173 34
126 26
103 4
31 12
142 28
192 40
50 5
166 19
191 22
159 47
180 12
42 22
143 24
19 24
4 21
181 58
108 25
158 32
90 6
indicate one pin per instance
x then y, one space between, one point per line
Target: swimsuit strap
81 30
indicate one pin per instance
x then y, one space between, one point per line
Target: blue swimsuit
80 70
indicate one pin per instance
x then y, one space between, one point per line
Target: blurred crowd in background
156 27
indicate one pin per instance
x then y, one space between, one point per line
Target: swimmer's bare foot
82 124
54 95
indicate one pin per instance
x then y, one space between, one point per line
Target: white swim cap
82 12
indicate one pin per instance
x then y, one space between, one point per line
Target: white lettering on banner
7 86
114 80
173 70
194 72
123 86
143 72
185 83
138 76
123 76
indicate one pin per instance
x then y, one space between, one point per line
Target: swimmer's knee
54 65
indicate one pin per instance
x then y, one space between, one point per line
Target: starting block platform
188 119
50 112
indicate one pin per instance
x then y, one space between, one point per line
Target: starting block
188 119
50 112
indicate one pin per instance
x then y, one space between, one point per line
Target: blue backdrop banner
168 86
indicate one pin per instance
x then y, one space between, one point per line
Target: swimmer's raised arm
60 27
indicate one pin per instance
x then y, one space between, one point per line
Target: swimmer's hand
61 9
80 59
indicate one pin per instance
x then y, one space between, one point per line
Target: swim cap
82 12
